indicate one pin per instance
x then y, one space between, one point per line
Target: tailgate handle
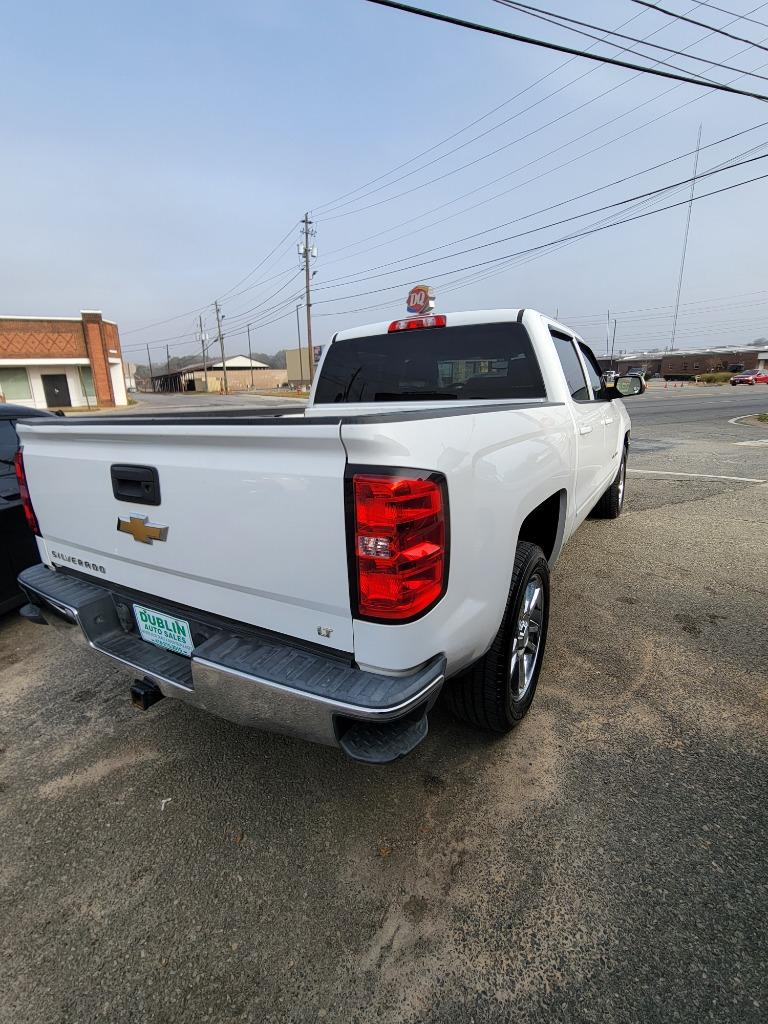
138 484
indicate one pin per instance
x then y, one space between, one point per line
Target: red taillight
29 512
416 323
400 551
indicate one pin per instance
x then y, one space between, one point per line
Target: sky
158 157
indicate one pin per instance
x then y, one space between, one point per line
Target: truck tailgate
254 515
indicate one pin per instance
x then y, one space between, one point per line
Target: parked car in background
18 547
636 371
750 377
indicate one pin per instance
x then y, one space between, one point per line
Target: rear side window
480 361
569 360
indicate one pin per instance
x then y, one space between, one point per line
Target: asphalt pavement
604 862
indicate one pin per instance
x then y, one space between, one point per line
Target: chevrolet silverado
326 571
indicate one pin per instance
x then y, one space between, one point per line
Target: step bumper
260 683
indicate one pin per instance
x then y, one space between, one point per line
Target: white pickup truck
325 572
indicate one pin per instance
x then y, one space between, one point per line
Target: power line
325 208
259 321
550 170
356 279
734 15
682 17
572 199
476 276
250 273
560 48
597 319
554 18
330 211
624 313
467 127
240 333
283 286
546 245
200 309
333 215
189 334
685 240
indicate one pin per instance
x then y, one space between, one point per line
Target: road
688 430
696 408
605 862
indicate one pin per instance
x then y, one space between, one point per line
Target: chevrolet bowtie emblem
140 529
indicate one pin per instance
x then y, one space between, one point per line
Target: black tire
485 695
612 502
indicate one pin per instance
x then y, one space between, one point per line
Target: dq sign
421 299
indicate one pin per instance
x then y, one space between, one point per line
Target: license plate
164 630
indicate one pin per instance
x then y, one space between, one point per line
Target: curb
747 416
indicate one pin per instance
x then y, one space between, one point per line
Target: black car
18 547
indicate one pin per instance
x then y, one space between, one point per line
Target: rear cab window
472 361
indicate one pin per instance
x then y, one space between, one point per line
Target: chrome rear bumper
261 683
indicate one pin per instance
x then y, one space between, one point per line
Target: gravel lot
605 862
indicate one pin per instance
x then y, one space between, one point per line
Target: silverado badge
140 529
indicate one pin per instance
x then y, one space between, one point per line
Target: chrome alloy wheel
527 639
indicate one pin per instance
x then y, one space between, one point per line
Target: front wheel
612 502
497 691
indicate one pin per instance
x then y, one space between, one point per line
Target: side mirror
628 385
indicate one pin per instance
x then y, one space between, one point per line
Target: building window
695 366
685 366
86 377
14 384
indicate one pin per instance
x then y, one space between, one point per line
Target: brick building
61 362
685 364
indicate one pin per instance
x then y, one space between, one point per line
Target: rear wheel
612 502
497 691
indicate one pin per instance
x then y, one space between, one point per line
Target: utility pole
613 343
685 241
250 357
203 340
307 252
151 371
221 345
168 367
298 334
607 331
